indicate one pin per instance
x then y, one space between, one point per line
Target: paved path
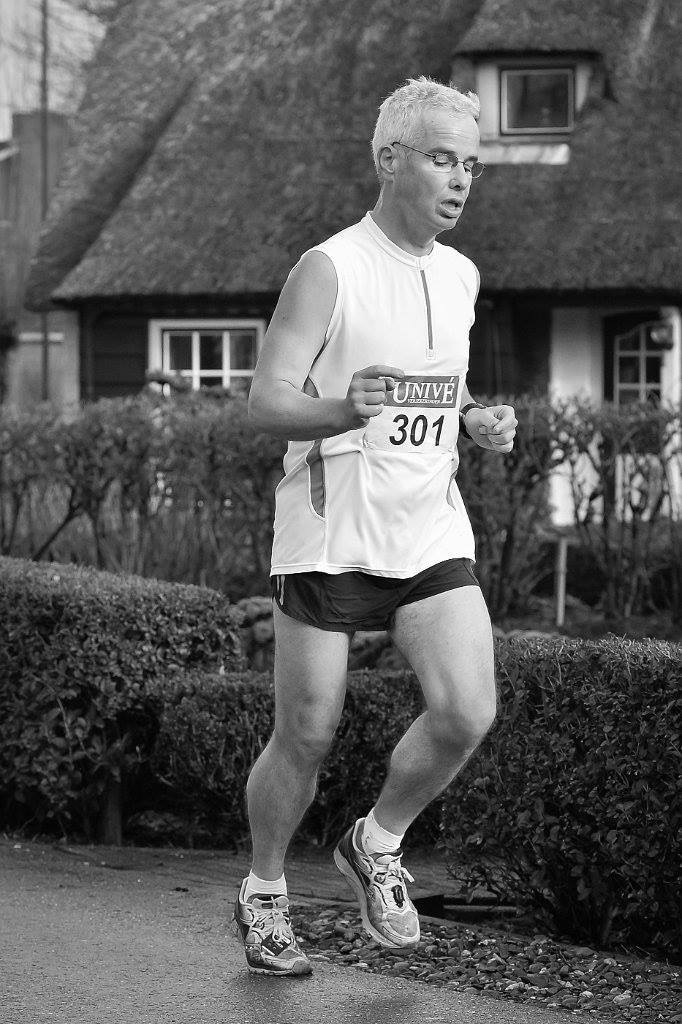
95 935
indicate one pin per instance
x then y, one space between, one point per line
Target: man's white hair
400 115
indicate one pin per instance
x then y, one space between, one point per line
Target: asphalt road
94 936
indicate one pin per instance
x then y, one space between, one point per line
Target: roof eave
531 52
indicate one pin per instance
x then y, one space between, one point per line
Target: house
27 339
217 141
32 344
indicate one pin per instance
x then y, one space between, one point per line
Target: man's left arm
492 427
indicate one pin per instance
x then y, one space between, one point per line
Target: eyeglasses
447 162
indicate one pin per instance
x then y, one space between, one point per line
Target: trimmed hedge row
572 804
79 650
212 729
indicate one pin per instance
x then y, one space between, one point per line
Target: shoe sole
348 872
307 969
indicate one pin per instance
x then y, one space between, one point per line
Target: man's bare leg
447 640
310 686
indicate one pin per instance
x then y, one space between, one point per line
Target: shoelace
271 921
394 871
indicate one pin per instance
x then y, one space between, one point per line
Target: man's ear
387 159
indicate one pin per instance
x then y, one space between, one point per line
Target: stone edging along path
501 965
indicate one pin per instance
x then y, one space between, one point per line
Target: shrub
212 729
220 476
182 489
508 503
108 462
27 468
179 489
79 650
623 466
571 805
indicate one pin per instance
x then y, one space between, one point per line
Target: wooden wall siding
114 342
119 356
510 347
531 332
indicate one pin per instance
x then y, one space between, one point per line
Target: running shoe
262 923
388 914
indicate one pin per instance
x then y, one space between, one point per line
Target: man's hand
493 428
367 392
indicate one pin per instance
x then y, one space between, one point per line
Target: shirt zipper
430 353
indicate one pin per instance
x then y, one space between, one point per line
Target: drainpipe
44 187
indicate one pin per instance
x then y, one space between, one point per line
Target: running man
363 371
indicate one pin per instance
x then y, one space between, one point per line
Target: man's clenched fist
367 392
493 428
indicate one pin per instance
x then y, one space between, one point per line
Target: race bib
420 414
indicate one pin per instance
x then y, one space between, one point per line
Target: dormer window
536 101
530 105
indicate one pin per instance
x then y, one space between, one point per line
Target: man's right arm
277 402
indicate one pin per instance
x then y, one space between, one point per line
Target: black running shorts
348 601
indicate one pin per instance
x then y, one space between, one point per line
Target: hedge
571 805
79 650
182 488
212 728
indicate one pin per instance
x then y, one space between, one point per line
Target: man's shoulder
448 252
352 235
463 266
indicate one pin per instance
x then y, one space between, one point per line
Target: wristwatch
462 413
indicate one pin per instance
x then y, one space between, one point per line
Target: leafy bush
182 489
27 469
508 503
78 651
571 804
220 476
212 729
108 459
179 489
624 467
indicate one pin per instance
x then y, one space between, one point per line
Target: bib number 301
415 433
420 415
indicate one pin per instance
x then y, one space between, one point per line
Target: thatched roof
221 138
545 25
611 218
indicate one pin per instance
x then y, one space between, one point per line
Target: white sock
376 840
265 886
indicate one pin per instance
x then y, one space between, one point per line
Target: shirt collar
394 250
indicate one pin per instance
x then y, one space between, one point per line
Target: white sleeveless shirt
383 498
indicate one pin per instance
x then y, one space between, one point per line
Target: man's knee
305 739
460 727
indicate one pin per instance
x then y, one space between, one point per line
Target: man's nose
459 178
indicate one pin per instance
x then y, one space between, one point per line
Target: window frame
642 352
157 356
545 67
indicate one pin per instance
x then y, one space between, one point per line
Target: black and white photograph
340 511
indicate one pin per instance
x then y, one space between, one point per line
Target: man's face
433 199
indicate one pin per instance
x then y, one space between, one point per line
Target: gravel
501 965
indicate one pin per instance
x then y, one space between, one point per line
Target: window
209 353
537 101
637 364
